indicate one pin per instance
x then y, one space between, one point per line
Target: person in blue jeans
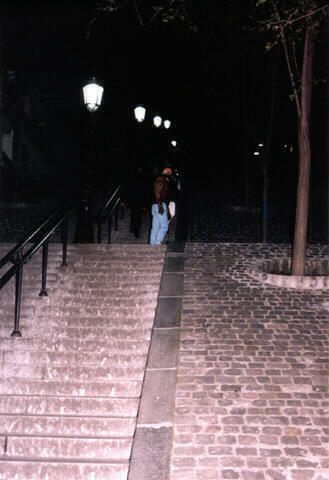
159 223
160 212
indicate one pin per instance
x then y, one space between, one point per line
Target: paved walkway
251 362
252 377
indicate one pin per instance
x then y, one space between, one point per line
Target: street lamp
167 123
139 112
92 95
92 98
157 120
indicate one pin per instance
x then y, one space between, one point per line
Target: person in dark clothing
165 191
135 194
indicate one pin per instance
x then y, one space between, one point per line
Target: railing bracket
16 333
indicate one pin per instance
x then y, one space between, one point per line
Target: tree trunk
304 147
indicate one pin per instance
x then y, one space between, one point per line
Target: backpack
161 191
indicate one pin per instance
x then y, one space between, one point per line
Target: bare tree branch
289 22
286 53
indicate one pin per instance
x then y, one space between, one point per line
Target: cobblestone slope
251 399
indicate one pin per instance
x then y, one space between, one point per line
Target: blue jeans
159 224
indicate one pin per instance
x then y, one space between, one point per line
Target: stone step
75 345
68 448
133 255
121 274
72 359
125 267
30 296
92 306
123 290
38 425
34 275
91 297
132 310
136 249
91 333
114 321
111 388
66 373
138 281
34 271
115 301
69 406
47 306
54 470
114 279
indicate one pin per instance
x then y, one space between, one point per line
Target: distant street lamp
139 112
167 123
157 120
92 95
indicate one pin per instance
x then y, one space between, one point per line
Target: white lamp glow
256 153
173 143
167 123
140 113
92 95
157 121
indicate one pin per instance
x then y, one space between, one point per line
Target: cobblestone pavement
213 220
251 399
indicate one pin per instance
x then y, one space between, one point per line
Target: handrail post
109 229
18 293
43 292
64 232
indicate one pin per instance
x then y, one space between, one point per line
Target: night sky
214 84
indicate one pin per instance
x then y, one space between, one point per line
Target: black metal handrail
109 209
40 238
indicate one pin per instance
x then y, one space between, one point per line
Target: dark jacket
165 190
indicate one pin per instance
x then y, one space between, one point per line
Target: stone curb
152 444
312 282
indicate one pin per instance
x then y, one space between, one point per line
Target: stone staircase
70 387
122 235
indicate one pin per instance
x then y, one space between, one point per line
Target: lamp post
139 112
84 232
92 95
157 120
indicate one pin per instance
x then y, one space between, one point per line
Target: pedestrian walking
164 193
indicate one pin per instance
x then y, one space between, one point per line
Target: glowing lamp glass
140 113
92 95
157 121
